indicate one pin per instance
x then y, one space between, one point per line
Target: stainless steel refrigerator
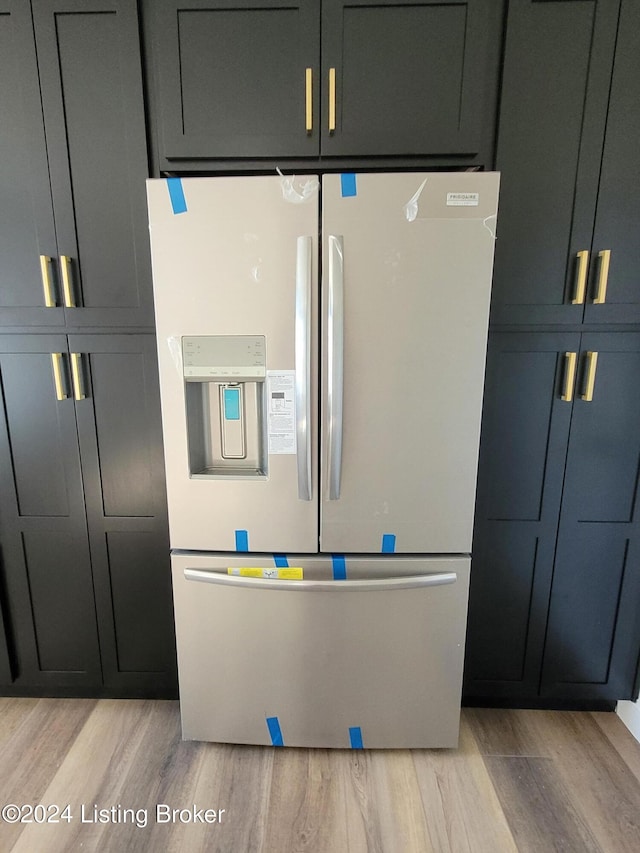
321 350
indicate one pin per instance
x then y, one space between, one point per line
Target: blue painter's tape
176 194
242 540
388 543
339 567
275 731
355 735
348 184
281 561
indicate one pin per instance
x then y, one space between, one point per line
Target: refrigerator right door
407 266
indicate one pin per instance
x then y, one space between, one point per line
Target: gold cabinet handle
590 374
308 99
65 269
47 286
56 361
581 277
332 100
603 276
76 374
570 362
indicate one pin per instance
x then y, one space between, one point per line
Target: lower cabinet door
85 583
295 657
554 608
523 445
120 436
46 581
593 633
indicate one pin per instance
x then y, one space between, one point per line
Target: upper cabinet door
556 78
405 77
27 232
614 294
91 84
233 77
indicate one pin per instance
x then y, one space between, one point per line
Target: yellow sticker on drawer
287 574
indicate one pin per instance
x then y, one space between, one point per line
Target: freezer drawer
374 659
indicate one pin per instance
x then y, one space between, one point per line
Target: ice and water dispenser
224 378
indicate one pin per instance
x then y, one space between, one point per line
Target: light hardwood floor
520 781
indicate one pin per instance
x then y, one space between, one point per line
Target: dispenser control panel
224 357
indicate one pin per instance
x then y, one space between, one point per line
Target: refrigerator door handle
303 365
365 585
335 358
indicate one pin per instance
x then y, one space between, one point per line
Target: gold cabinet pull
570 362
56 361
65 269
47 286
308 99
581 277
76 374
590 373
332 100
603 276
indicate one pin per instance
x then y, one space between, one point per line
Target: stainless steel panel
322 656
225 264
417 251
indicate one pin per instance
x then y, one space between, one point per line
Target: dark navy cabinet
554 611
322 78
593 631
85 598
569 210
46 566
236 79
523 448
85 581
555 585
411 78
73 159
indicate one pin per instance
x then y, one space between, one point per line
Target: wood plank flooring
520 781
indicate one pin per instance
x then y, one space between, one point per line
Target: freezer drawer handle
368 585
303 365
335 357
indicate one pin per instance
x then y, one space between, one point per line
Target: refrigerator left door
236 293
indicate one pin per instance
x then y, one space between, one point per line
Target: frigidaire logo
463 199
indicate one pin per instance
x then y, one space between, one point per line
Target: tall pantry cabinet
555 591
85 594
